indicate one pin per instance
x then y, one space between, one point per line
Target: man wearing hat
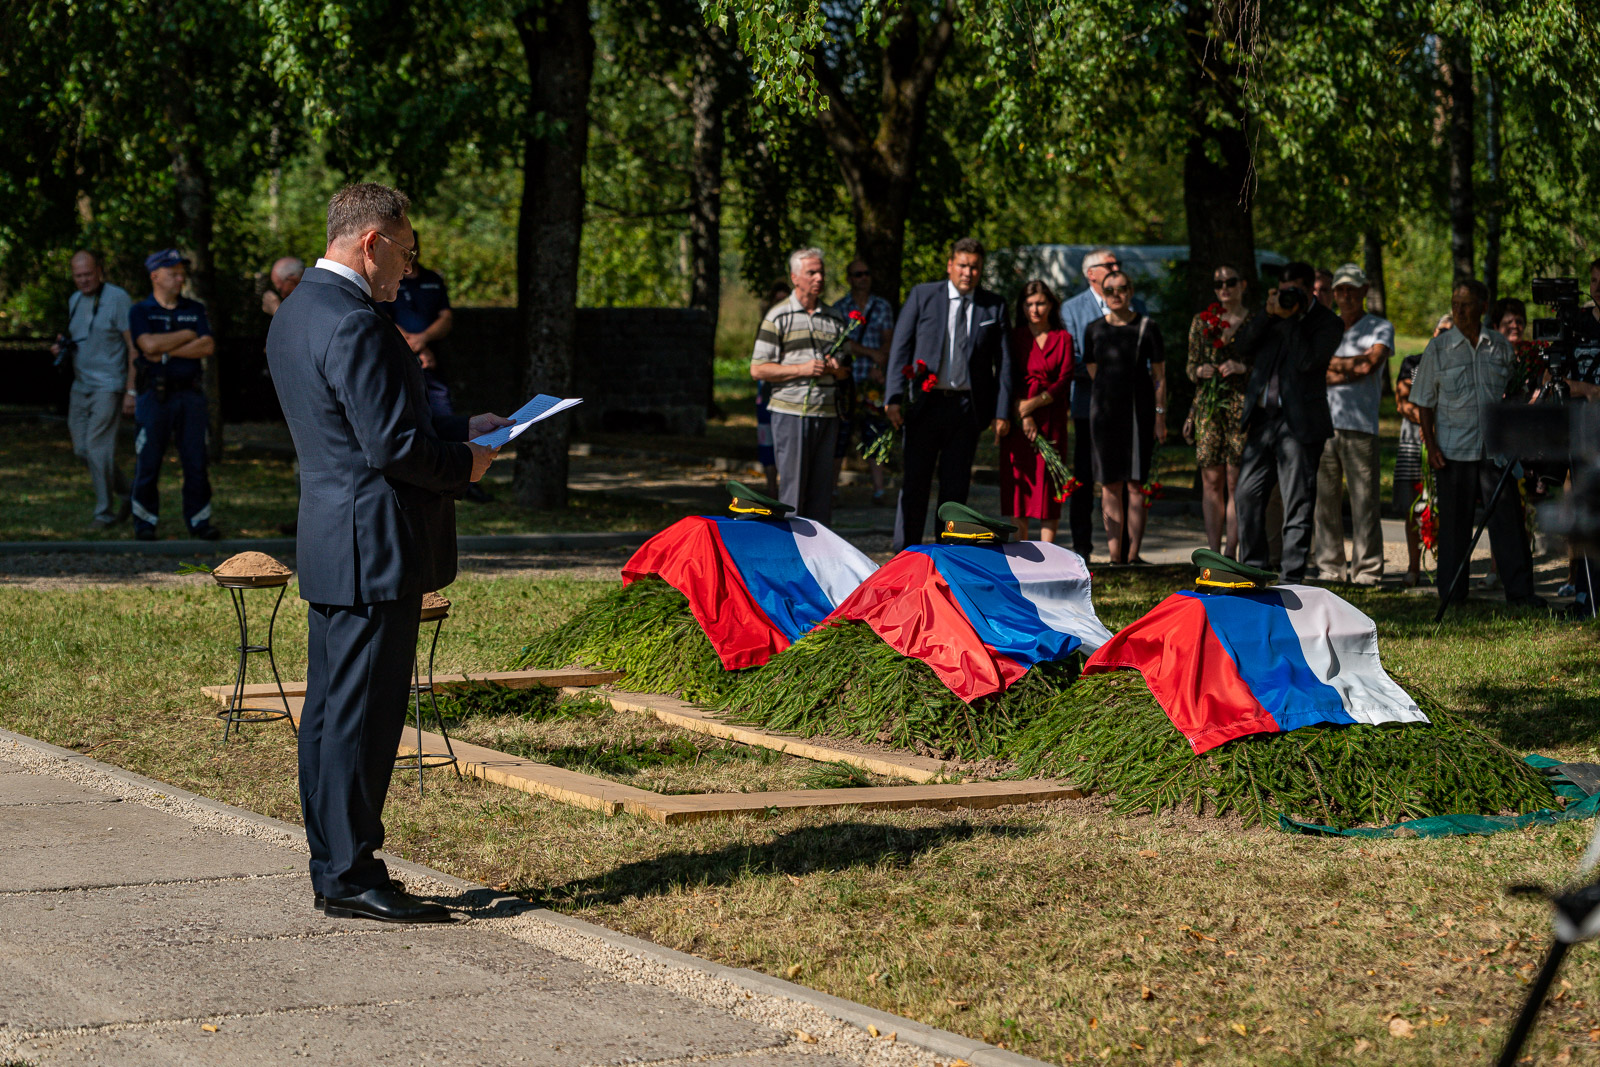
172 336
1355 390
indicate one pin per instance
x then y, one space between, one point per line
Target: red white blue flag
980 615
1225 665
754 585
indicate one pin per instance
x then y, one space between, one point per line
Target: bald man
102 382
285 275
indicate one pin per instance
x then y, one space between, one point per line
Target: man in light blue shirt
1462 373
102 382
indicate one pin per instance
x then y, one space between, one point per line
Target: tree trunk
1218 179
1372 265
1455 56
880 167
705 191
558 45
192 185
1491 210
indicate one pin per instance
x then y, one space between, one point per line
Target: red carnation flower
929 382
856 316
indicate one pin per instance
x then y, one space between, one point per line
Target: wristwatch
1160 410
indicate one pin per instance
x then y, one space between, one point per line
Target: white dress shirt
345 272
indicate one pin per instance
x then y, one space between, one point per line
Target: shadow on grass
836 847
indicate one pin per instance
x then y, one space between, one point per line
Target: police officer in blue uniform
422 311
172 335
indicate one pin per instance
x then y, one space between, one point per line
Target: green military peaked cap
749 504
1219 574
960 524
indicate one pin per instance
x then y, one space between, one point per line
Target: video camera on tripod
1567 343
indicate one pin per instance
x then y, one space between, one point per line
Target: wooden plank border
686 716
609 798
509 679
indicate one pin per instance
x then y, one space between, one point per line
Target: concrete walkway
143 925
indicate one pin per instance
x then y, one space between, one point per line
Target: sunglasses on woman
1227 283
1113 290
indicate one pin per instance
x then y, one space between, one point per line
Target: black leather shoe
318 900
145 533
385 905
206 532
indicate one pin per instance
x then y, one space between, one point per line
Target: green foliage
1107 733
644 628
845 681
536 703
836 774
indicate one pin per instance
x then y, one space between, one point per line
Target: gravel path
177 930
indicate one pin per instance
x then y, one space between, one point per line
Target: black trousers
358 684
942 436
1461 485
1081 503
1272 456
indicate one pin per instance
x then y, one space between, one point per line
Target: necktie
958 341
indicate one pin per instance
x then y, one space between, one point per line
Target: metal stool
235 713
435 609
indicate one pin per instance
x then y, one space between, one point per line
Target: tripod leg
1466 557
1530 1007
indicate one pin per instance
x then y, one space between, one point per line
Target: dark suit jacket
378 475
1301 348
919 333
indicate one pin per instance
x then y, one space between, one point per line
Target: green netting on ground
644 628
844 681
1107 733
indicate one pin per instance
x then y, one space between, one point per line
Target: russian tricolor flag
980 615
754 585
1225 665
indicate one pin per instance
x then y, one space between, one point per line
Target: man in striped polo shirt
790 356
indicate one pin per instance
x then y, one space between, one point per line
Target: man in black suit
378 481
1286 416
957 331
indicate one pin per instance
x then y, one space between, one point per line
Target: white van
1150 266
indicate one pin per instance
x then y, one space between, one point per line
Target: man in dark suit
378 481
957 331
1286 416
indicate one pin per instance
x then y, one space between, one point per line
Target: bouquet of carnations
1527 368
1065 484
1425 511
1151 491
1212 398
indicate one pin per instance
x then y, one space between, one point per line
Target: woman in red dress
1042 353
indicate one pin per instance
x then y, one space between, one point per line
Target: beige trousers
1349 457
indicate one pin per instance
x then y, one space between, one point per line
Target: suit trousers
804 448
359 661
1081 503
92 417
1461 485
1350 457
1272 456
941 435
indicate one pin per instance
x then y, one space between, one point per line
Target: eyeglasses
1227 283
1114 290
1107 265
411 253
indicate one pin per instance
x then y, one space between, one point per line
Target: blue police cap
167 257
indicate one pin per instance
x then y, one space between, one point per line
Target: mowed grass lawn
1059 930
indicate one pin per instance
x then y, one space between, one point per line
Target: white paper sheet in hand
538 409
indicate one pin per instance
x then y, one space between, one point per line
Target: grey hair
364 205
1088 260
293 267
800 255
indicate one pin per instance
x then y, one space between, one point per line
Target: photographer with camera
1287 420
100 351
1463 372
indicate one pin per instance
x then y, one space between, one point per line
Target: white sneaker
1567 590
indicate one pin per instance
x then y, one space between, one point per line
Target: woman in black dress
1127 411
